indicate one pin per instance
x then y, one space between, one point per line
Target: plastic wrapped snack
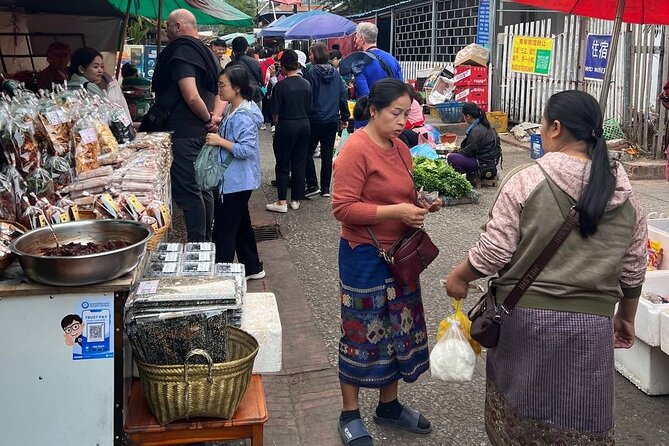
7 199
197 268
108 143
121 126
39 181
199 246
59 170
157 269
166 257
169 247
86 145
58 127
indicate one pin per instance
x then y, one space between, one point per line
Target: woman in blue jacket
238 139
330 107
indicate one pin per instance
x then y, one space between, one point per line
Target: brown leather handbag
486 315
411 253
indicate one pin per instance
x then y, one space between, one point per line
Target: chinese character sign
483 34
597 56
532 55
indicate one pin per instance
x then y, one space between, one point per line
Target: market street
304 399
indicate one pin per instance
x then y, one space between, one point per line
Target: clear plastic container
169 247
166 256
197 268
199 247
201 256
158 269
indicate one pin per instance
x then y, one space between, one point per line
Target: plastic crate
450 112
499 121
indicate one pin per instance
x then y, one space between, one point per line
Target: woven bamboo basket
206 390
158 234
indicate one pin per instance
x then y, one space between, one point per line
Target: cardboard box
472 93
467 75
472 54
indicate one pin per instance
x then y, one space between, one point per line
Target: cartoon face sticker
73 328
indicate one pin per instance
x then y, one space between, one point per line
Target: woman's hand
411 215
436 205
214 140
456 286
623 332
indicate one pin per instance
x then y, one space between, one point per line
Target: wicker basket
189 390
158 234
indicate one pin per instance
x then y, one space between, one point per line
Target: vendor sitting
480 151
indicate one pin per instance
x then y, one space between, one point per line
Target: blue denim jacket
242 129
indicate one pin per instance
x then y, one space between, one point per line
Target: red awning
636 11
288 2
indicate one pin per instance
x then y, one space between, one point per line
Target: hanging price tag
88 136
125 120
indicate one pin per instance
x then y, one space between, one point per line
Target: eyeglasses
72 328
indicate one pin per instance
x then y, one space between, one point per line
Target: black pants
233 232
267 109
409 137
196 204
291 143
325 133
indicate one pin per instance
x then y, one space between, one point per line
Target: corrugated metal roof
373 12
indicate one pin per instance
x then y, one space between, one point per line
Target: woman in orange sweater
384 338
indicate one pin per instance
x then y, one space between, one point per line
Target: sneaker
311 191
263 127
275 207
273 128
256 276
295 205
325 194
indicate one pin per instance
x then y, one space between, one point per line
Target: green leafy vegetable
438 175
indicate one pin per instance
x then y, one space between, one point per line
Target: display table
248 421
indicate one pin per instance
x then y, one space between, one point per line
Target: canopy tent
649 12
632 11
322 26
279 27
207 12
210 12
250 38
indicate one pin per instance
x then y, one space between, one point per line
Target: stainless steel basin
85 269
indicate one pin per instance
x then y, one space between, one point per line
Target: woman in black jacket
481 149
330 108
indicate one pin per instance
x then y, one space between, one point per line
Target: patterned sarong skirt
550 380
384 338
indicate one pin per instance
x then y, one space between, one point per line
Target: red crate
471 93
470 75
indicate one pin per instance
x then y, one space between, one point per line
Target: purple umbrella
322 26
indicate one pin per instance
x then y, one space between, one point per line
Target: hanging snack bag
39 181
86 145
7 199
69 206
25 146
108 143
59 170
58 127
121 126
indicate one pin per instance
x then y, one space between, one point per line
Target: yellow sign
531 55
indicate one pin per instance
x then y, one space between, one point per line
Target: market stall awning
636 11
250 38
207 12
95 8
281 25
322 26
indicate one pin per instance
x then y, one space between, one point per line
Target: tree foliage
357 6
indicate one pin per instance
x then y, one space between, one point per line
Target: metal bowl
85 269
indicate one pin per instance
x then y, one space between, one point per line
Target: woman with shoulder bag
238 137
384 338
550 377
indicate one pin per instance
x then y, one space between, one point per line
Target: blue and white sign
89 329
483 34
597 56
150 56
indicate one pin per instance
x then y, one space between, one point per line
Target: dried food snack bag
58 126
86 145
7 199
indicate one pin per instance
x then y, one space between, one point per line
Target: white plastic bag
453 359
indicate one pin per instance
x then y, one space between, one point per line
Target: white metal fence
638 75
410 68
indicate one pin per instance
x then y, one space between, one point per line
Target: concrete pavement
303 399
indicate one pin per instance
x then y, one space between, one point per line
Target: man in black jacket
186 84
239 57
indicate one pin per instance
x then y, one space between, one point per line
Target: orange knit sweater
366 176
